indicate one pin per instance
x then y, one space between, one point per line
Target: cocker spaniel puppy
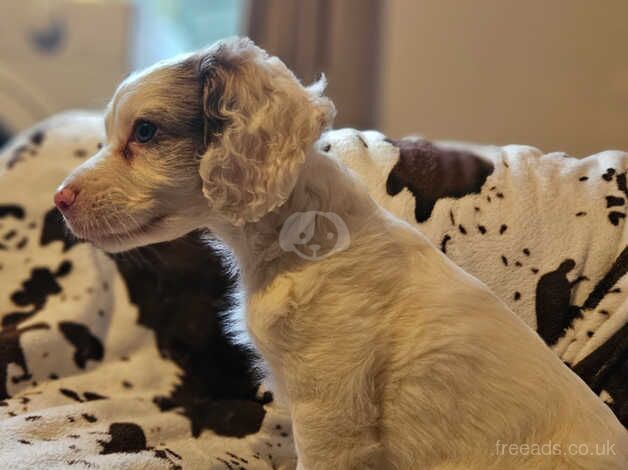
387 355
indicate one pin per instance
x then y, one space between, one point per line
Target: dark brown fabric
431 172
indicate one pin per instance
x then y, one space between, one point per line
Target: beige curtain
337 37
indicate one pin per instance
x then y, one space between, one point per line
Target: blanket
122 361
116 361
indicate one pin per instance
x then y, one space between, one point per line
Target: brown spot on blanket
182 295
431 172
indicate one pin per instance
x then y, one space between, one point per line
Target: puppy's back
475 377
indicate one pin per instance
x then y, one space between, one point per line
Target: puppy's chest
288 318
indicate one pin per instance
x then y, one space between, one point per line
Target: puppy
387 355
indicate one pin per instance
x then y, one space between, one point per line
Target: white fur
387 355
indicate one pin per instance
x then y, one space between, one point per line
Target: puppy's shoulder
270 303
276 301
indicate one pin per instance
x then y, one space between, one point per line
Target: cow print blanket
121 361
546 233
115 362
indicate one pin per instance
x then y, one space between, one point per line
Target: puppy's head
220 134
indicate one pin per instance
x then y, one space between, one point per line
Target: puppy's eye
144 131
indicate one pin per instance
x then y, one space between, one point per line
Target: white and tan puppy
387 355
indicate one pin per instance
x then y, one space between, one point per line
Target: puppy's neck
323 186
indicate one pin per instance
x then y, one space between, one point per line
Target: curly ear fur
260 122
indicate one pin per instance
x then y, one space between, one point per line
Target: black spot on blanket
554 311
9 235
87 346
431 173
81 462
129 438
54 229
233 418
40 285
182 294
606 368
605 285
608 175
11 353
89 418
92 396
70 394
126 438
11 210
22 243
615 217
35 291
613 201
88 396
620 179
37 137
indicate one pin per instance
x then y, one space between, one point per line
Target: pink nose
64 198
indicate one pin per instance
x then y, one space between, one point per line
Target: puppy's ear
260 122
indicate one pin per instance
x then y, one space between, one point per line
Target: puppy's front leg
328 436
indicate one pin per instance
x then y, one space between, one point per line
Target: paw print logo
314 235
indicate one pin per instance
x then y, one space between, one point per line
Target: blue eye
144 131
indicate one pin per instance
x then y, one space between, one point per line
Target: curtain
337 37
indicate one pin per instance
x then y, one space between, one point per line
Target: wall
548 73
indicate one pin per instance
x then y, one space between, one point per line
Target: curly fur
386 354
250 168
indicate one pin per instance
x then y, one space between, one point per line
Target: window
163 28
